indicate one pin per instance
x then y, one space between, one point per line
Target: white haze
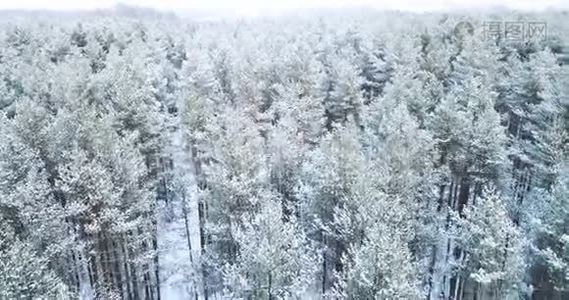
261 7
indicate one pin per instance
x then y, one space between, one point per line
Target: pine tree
381 268
236 178
472 148
25 274
275 259
327 180
493 247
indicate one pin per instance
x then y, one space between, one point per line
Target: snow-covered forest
352 155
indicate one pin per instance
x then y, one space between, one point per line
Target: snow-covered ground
176 257
173 255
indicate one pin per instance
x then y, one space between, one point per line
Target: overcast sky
252 7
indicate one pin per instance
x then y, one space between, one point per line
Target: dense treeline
369 156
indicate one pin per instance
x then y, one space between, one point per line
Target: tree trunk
324 265
124 269
156 259
270 287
